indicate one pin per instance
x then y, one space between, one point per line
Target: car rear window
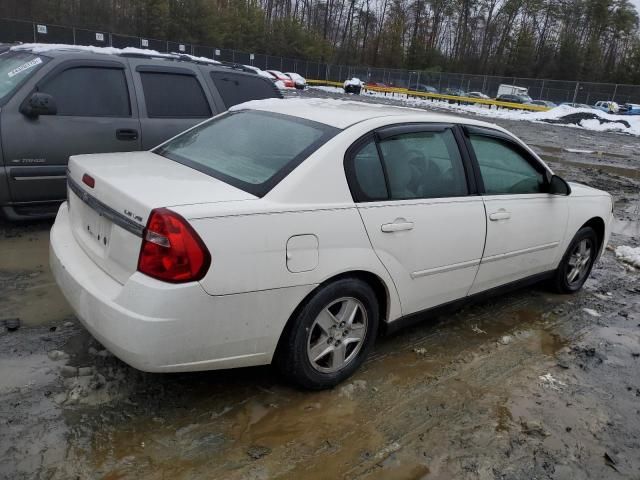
248 149
237 88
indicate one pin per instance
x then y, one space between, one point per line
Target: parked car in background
456 92
421 87
281 77
257 71
514 98
477 95
607 106
543 103
57 101
578 105
353 85
378 85
630 109
359 217
299 81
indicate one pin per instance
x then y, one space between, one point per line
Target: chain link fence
557 91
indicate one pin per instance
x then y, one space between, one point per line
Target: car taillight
171 249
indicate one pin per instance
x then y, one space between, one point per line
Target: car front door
420 211
525 224
96 113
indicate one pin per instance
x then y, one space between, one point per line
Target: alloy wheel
337 335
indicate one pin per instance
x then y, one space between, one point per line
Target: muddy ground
529 385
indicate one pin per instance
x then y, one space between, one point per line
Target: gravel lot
529 385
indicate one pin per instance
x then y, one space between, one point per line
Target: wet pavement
527 385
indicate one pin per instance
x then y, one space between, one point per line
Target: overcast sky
637 4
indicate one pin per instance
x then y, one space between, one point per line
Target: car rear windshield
15 68
248 149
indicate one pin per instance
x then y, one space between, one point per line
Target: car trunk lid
109 217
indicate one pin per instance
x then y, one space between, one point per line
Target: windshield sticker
25 66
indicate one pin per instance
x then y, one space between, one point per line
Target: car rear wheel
331 335
577 262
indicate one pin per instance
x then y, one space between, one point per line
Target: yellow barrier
438 96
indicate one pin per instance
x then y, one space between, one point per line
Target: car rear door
419 207
96 113
172 97
525 224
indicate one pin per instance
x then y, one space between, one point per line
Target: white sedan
293 231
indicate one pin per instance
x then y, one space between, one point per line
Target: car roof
344 113
64 50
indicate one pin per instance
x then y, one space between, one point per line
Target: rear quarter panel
586 203
249 252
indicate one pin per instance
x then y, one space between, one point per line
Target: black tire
561 282
292 358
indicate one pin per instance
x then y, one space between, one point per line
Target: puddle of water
30 292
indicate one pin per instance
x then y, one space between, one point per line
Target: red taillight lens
171 249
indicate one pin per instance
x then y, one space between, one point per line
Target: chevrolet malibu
293 231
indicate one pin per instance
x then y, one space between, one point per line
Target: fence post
542 91
575 92
233 56
281 63
418 80
306 70
615 90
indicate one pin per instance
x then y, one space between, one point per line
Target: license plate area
93 229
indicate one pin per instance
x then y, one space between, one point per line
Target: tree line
594 40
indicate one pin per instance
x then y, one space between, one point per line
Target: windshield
248 149
16 67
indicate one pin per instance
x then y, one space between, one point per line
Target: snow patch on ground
629 255
555 114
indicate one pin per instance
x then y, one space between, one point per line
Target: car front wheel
577 262
331 335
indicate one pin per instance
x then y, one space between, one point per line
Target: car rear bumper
160 327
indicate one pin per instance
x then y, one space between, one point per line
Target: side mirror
39 104
558 186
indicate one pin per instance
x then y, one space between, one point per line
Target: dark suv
61 101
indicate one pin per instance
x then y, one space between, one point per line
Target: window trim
73 64
503 137
142 69
390 131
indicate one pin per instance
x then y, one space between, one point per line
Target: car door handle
126 134
499 215
399 225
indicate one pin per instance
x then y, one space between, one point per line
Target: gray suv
61 101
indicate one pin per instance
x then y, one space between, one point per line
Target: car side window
368 174
89 92
237 88
504 169
423 165
174 95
